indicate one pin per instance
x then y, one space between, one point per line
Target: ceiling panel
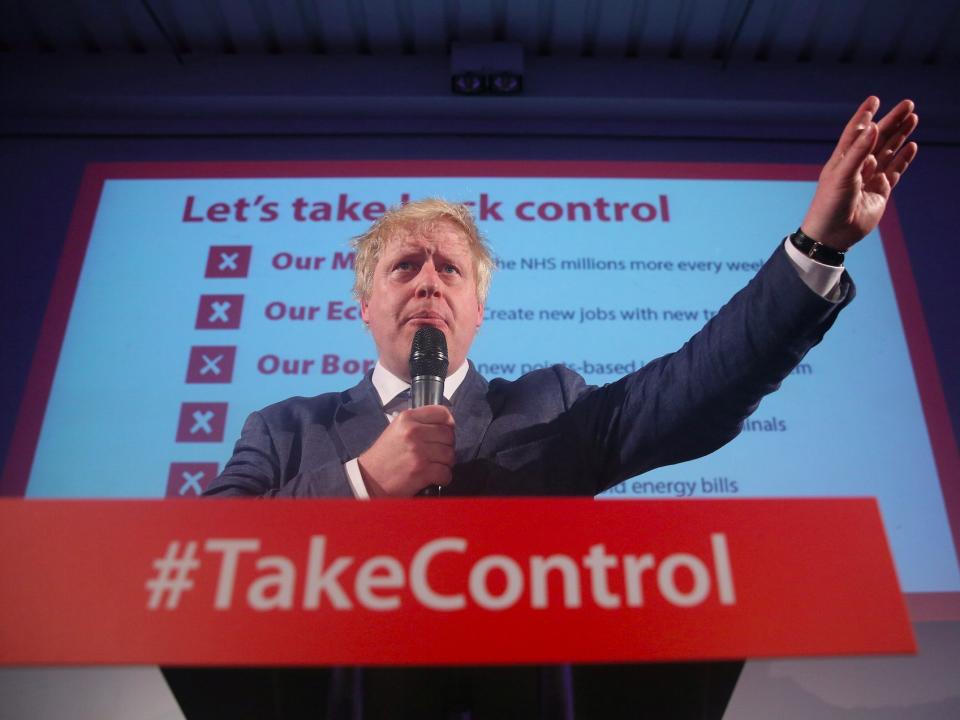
745 36
657 33
430 27
522 25
248 24
567 27
54 27
387 25
830 35
201 25
342 33
800 19
702 28
867 32
947 47
475 20
298 26
108 27
613 28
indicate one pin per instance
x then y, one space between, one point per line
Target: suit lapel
360 419
472 414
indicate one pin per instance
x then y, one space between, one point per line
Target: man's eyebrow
404 250
454 255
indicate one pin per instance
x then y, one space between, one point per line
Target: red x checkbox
201 422
228 261
211 363
219 312
190 479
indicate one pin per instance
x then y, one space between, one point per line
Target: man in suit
548 433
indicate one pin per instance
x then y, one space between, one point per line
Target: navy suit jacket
548 432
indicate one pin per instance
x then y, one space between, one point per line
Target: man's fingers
900 164
431 414
440 455
888 150
890 123
438 474
868 168
851 132
434 434
852 161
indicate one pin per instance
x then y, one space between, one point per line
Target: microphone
428 366
428 370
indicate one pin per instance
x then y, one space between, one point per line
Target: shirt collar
388 385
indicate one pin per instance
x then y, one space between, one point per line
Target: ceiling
822 32
780 69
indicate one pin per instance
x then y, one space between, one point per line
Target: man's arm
255 468
691 402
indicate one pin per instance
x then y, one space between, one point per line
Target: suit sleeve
689 403
264 464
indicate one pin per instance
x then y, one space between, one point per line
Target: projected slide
192 294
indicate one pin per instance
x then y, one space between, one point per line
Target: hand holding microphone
416 451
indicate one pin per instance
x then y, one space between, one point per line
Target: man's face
424 277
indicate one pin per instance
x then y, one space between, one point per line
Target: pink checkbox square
201 422
211 363
228 261
219 312
190 479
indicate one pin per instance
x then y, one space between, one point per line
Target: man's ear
479 314
364 312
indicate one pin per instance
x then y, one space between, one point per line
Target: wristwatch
815 250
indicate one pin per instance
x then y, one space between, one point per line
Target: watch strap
816 250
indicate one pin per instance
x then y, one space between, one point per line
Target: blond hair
419 214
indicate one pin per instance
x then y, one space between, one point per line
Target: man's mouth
427 317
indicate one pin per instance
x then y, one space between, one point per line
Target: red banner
328 582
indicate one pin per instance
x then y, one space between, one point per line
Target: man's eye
403 266
451 269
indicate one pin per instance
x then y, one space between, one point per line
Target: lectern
453 608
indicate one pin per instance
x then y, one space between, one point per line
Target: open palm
856 182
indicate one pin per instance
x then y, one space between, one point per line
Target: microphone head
428 354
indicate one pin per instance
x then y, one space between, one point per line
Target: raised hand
856 182
415 451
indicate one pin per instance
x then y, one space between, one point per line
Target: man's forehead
440 236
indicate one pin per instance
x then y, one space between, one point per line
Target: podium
433 599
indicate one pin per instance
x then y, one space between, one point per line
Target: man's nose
428 281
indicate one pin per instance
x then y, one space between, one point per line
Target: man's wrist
370 483
355 478
816 250
822 279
